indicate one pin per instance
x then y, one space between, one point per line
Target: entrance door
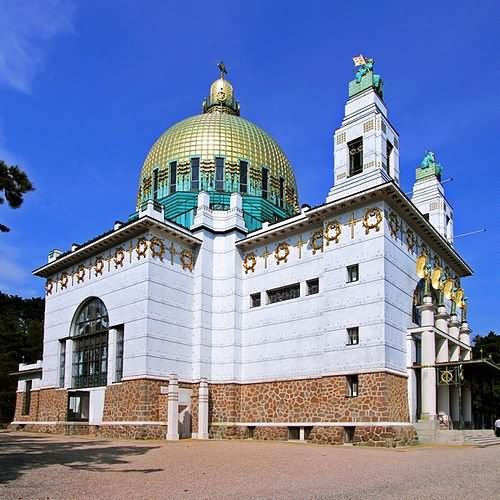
184 421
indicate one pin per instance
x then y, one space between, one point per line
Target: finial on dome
222 69
221 97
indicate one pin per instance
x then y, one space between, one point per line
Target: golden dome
220 132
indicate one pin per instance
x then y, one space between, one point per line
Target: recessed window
355 156
352 273
173 177
353 336
243 177
265 183
349 434
282 192
313 286
27 397
294 433
255 300
219 174
195 174
78 406
119 354
352 386
62 362
155 184
283 293
388 152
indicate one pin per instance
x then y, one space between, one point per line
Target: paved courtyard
36 466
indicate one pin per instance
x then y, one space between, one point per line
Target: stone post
173 409
428 361
111 355
203 409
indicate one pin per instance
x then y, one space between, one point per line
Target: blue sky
86 87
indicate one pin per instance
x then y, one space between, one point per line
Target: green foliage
21 338
14 183
487 347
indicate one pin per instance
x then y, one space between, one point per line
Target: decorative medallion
282 252
332 232
157 248
221 96
119 257
249 262
394 224
316 241
411 240
141 248
99 266
372 219
64 280
49 286
187 259
80 274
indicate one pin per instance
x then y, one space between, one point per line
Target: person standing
497 427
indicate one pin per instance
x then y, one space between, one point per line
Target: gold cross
300 243
172 251
266 254
352 223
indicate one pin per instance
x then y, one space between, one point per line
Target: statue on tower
430 166
365 77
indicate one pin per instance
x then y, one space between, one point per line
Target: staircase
429 433
481 438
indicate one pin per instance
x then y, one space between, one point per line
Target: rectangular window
219 174
352 273
195 174
243 177
255 300
283 293
388 152
155 184
349 434
265 183
78 406
27 397
294 433
90 360
119 354
62 362
282 191
353 336
313 286
355 156
352 386
173 177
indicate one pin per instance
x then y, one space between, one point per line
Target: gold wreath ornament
369 223
49 286
332 232
141 248
119 257
316 241
80 274
186 257
157 248
394 224
282 252
99 266
249 262
410 239
64 280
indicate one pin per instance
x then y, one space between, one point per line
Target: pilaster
173 409
203 409
428 360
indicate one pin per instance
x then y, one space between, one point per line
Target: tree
21 338
14 183
487 347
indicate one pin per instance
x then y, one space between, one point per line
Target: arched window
90 345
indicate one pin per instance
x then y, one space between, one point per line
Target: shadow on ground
20 453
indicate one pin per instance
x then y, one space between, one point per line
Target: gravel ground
37 466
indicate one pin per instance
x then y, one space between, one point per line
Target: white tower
428 196
366 146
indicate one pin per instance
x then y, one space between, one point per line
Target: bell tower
366 146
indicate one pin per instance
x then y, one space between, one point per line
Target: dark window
90 340
282 191
119 355
349 434
388 152
284 293
219 174
155 184
352 273
78 406
352 386
243 177
62 362
195 174
27 397
173 177
265 183
294 433
313 286
353 336
355 156
255 300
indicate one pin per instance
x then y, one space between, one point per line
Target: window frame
257 296
311 283
219 173
28 387
195 168
265 183
352 385
172 177
352 332
354 167
271 294
62 362
155 184
243 169
349 270
84 397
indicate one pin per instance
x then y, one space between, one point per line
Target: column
68 363
203 409
453 330
465 332
442 356
111 355
173 409
428 360
412 379
467 404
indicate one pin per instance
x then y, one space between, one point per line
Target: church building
223 308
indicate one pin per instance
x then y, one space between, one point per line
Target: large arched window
90 345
